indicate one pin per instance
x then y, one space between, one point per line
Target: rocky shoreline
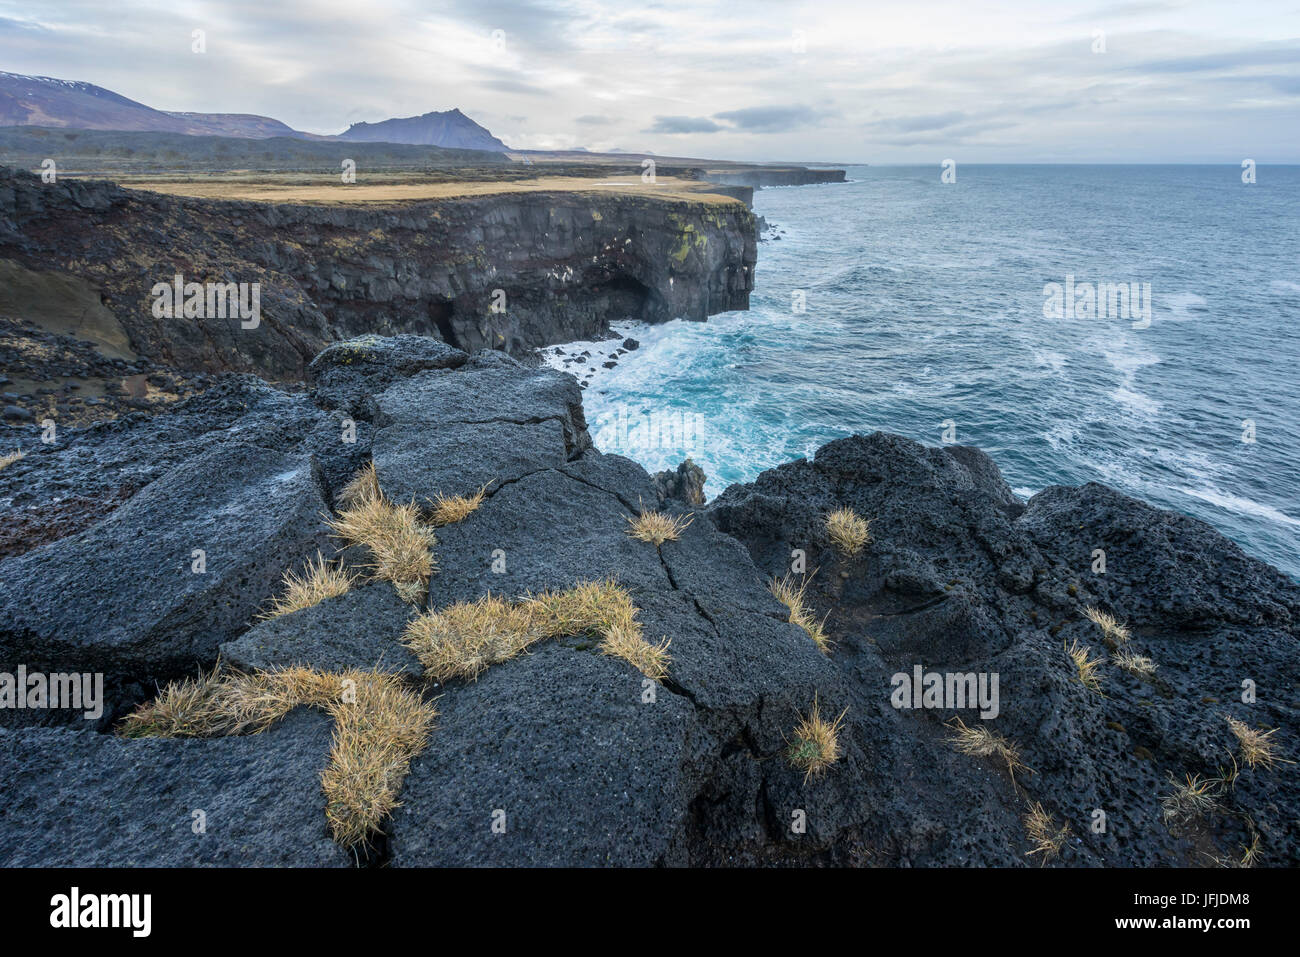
578 755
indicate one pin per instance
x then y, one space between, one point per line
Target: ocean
902 303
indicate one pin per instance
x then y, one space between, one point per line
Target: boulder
125 596
361 629
452 431
96 800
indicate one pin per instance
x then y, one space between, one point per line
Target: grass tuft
319 581
848 531
794 599
629 644
1193 798
379 726
816 744
1258 749
1138 665
980 742
1113 632
1086 667
397 541
1250 855
1047 838
657 528
378 730
450 509
12 457
464 639
605 610
362 487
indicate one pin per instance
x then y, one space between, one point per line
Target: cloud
674 125
1243 59
1180 82
920 124
770 119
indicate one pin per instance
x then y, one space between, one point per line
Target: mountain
72 104
47 101
450 129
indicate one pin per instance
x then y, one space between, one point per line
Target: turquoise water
925 306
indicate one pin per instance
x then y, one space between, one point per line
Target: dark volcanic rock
345 374
683 484
961 577
452 432
94 800
589 762
358 630
123 596
567 262
547 530
1160 566
562 748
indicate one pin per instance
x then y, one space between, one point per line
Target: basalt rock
154 588
511 271
961 577
93 800
684 484
565 755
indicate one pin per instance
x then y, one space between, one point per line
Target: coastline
688 765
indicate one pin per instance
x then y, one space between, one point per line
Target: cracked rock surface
564 755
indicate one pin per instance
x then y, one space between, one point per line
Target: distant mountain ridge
450 128
47 101
73 104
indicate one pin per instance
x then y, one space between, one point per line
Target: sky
839 82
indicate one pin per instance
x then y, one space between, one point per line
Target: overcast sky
855 81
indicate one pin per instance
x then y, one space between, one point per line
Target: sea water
899 302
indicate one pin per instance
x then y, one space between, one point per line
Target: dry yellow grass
1135 664
1193 798
1113 631
11 458
1250 855
1046 837
379 726
606 611
980 742
795 599
657 528
397 541
376 735
1087 668
629 644
816 744
319 581
450 509
464 639
1258 749
848 531
329 190
362 487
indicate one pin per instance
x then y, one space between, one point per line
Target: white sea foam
1179 306
1050 360
1135 400
1244 506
